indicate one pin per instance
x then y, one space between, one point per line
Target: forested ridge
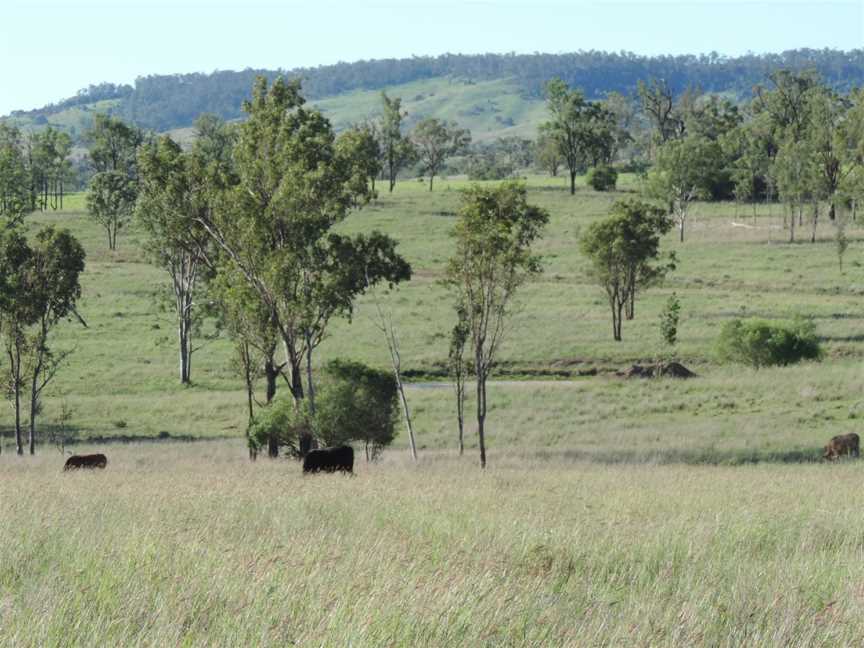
162 102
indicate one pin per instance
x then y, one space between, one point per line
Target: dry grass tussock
190 544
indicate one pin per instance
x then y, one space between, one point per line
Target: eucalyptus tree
494 232
53 288
584 132
567 109
397 151
836 136
39 287
48 167
797 177
684 171
172 193
623 250
15 200
435 141
360 144
786 102
459 368
273 226
547 156
748 148
658 103
114 188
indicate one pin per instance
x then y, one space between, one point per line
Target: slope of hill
493 94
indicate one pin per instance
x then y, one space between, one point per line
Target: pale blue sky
51 48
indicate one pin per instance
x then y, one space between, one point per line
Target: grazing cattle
843 444
330 460
86 461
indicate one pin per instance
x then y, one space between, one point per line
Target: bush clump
763 343
279 425
602 178
353 402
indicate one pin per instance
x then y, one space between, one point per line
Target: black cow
330 460
86 461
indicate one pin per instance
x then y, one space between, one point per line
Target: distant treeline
90 94
162 102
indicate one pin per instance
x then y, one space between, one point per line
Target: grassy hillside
489 109
75 120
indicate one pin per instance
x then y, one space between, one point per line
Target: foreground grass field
191 545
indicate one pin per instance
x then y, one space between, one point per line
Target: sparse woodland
277 284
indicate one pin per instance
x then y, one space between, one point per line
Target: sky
49 49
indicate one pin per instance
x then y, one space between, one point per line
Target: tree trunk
681 229
630 307
481 415
271 372
34 395
16 386
832 211
460 415
34 404
246 358
185 348
815 222
431 178
572 182
296 385
791 226
854 209
309 384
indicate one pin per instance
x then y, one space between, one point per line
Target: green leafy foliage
763 343
111 202
494 234
281 423
669 318
356 403
602 178
435 141
14 194
584 132
623 250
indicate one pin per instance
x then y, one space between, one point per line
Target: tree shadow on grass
692 457
78 436
842 338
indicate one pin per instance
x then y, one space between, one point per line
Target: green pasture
122 382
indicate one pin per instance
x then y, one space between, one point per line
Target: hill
493 94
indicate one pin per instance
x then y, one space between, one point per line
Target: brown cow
843 444
86 461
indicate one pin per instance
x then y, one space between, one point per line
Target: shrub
280 424
356 403
762 343
353 402
602 178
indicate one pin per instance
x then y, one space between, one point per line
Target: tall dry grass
192 545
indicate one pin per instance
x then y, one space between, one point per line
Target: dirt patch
657 370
